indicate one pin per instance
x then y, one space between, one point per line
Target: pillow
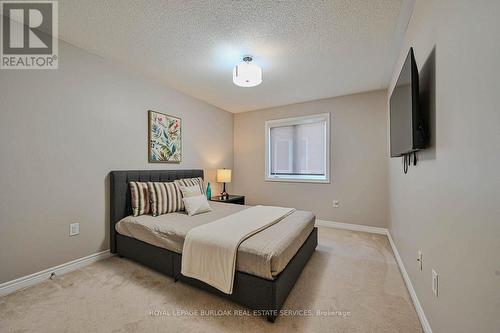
139 198
192 182
190 191
196 205
165 198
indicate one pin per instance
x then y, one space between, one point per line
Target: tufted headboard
120 193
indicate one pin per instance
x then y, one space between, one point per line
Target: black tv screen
407 124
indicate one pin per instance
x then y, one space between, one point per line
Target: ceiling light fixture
247 74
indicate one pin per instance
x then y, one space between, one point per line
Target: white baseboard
32 279
383 231
418 307
353 227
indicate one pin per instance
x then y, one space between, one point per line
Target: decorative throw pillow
196 205
190 191
139 198
165 198
191 182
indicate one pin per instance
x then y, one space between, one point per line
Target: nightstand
234 199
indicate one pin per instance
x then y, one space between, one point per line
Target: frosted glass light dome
247 74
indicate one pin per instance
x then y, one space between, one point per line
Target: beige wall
449 205
62 131
358 160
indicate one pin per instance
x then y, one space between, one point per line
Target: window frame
297 121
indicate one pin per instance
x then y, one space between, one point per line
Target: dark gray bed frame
254 292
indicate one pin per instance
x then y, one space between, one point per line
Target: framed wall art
164 138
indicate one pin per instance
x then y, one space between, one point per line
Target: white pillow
190 191
196 205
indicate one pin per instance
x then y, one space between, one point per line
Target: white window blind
297 149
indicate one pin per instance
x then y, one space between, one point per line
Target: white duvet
209 252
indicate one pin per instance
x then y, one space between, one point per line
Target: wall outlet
435 283
74 229
419 259
336 203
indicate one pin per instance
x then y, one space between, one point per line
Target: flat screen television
408 132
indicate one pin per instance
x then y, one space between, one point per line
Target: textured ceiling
308 49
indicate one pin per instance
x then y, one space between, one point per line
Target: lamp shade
223 175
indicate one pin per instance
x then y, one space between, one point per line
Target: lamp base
224 194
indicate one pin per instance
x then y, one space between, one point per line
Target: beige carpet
352 277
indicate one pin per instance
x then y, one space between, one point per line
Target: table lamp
224 176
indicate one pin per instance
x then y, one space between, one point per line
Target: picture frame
164 138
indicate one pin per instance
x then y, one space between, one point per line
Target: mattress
265 254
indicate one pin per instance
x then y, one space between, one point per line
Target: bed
268 263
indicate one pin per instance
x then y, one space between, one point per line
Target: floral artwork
164 138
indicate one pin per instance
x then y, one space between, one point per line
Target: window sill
298 180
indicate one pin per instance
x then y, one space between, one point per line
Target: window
298 149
